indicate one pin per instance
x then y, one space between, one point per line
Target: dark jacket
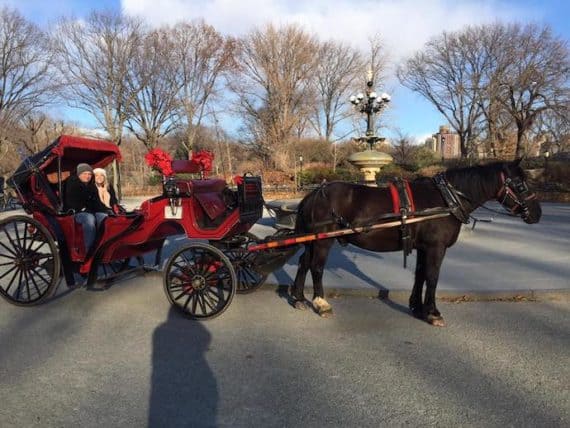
79 196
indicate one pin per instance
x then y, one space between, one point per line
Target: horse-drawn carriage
200 278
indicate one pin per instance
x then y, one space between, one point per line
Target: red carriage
200 278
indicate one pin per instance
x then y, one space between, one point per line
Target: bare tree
153 79
554 127
376 62
449 72
94 58
274 85
337 69
24 67
534 77
203 57
402 148
38 130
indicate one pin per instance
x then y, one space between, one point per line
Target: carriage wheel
29 261
200 281
248 279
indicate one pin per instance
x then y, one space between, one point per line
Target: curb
449 296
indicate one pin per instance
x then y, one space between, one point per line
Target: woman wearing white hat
106 192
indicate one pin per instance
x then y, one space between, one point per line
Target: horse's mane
479 181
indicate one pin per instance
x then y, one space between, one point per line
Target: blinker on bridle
516 190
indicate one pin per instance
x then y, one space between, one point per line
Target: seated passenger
106 192
81 196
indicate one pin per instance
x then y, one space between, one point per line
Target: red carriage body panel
198 209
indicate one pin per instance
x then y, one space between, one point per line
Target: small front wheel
200 281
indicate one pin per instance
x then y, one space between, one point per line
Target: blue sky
404 26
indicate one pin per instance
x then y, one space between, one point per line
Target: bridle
514 194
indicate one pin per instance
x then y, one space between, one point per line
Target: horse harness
404 207
451 197
515 190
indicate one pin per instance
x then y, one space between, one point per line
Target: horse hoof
436 321
300 305
322 307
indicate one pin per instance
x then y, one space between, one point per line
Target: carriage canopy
70 151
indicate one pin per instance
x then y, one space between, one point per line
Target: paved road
123 358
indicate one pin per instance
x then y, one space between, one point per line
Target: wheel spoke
42 243
194 302
27 278
209 300
11 240
8 249
7 273
187 301
36 285
200 303
40 275
30 262
19 287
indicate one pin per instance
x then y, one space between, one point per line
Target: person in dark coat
82 198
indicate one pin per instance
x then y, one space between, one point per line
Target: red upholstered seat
185 167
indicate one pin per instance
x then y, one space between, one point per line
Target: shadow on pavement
184 391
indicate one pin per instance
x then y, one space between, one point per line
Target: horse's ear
518 161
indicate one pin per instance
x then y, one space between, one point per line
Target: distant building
445 143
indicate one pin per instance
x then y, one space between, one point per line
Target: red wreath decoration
159 161
204 158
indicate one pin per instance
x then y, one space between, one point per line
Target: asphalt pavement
124 358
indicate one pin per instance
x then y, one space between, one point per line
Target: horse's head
515 196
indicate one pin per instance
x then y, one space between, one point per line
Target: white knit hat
100 171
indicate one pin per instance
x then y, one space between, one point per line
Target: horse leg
297 290
415 303
434 258
320 254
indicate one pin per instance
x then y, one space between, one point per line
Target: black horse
339 205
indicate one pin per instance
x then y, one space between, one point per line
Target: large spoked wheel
29 261
248 278
200 281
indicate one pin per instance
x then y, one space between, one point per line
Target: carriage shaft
336 233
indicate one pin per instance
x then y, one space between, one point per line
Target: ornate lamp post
546 156
370 161
300 171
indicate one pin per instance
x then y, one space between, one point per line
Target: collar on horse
451 196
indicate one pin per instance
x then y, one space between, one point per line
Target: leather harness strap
451 197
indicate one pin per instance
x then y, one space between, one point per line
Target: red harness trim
396 197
